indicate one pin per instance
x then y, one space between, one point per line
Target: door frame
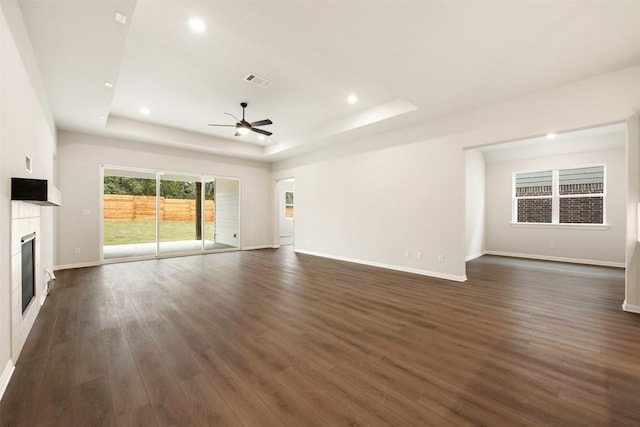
158 173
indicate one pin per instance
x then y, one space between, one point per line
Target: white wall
371 207
591 245
286 224
632 273
228 212
26 127
474 204
426 178
79 159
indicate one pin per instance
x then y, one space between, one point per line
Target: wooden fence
143 208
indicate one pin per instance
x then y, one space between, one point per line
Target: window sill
560 226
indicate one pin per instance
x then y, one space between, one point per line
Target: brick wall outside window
534 210
540 190
573 210
594 188
581 210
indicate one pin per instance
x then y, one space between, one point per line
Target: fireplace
28 288
29 263
28 252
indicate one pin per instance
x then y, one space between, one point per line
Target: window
581 193
560 196
533 192
288 204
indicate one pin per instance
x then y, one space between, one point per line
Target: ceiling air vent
257 80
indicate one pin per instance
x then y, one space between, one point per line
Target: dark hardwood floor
271 338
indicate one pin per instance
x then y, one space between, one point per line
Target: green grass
127 232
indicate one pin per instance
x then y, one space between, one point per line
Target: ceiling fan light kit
243 127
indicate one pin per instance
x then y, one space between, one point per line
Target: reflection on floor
286 239
149 249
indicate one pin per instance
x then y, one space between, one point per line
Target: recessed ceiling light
551 136
100 117
352 99
269 141
120 17
108 83
197 25
145 111
261 137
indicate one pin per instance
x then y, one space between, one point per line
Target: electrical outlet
406 253
419 255
77 250
440 258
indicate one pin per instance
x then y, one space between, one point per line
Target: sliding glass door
154 213
209 196
180 213
129 214
227 221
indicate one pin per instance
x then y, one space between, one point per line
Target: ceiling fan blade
227 126
229 114
264 132
262 122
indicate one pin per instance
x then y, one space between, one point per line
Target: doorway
286 211
543 197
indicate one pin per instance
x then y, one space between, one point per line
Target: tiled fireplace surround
25 219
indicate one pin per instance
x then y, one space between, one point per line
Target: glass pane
129 208
288 204
582 210
227 213
582 180
534 184
209 213
288 211
534 210
180 213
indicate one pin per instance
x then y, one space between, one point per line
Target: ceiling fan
243 127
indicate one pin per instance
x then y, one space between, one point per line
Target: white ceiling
408 62
594 139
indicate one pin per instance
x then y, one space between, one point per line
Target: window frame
514 202
555 199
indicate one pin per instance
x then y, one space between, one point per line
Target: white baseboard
474 256
78 265
558 259
632 308
251 248
446 276
43 298
6 376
